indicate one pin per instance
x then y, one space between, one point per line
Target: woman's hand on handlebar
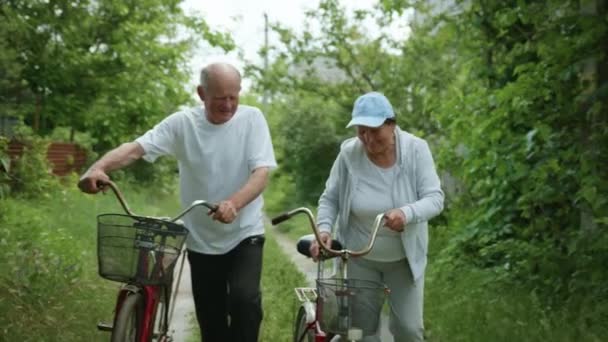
314 246
92 181
395 220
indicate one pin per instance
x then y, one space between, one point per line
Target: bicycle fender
309 308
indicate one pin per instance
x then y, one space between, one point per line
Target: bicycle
335 308
141 252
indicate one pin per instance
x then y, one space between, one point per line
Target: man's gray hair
207 71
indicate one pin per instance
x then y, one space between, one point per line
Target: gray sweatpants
405 299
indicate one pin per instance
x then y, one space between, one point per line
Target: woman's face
377 140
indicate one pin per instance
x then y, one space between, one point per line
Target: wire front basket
138 249
350 307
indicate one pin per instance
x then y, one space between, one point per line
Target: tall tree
108 67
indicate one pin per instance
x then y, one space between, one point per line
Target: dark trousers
226 290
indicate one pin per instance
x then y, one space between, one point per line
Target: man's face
221 99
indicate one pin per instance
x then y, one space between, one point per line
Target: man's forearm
119 157
253 188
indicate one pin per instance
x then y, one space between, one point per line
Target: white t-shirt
215 161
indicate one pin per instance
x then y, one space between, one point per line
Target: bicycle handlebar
343 252
212 207
118 194
123 203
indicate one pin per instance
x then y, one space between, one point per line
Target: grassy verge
279 278
278 199
469 307
49 287
468 304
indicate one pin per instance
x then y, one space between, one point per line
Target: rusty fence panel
63 157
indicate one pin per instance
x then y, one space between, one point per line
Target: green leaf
6 163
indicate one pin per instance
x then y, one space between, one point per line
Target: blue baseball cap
371 110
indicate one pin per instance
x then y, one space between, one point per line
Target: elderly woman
384 170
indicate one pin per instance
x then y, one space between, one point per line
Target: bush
29 175
49 272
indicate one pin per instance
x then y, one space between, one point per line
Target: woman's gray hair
207 71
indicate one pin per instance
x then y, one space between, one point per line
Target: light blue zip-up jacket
416 190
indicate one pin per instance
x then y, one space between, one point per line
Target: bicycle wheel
127 319
301 333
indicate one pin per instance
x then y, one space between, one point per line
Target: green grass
295 227
469 307
469 304
277 201
49 286
279 278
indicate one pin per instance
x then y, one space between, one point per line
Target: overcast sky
244 19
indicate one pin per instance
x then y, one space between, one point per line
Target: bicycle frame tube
320 335
152 296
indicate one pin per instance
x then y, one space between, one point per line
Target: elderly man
225 153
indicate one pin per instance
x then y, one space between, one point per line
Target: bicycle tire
300 331
127 319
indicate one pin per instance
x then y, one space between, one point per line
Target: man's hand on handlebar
226 212
314 246
395 220
92 181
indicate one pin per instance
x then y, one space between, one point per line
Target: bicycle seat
304 242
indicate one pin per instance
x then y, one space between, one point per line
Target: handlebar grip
303 245
101 185
280 218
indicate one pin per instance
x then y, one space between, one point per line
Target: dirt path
304 264
183 316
